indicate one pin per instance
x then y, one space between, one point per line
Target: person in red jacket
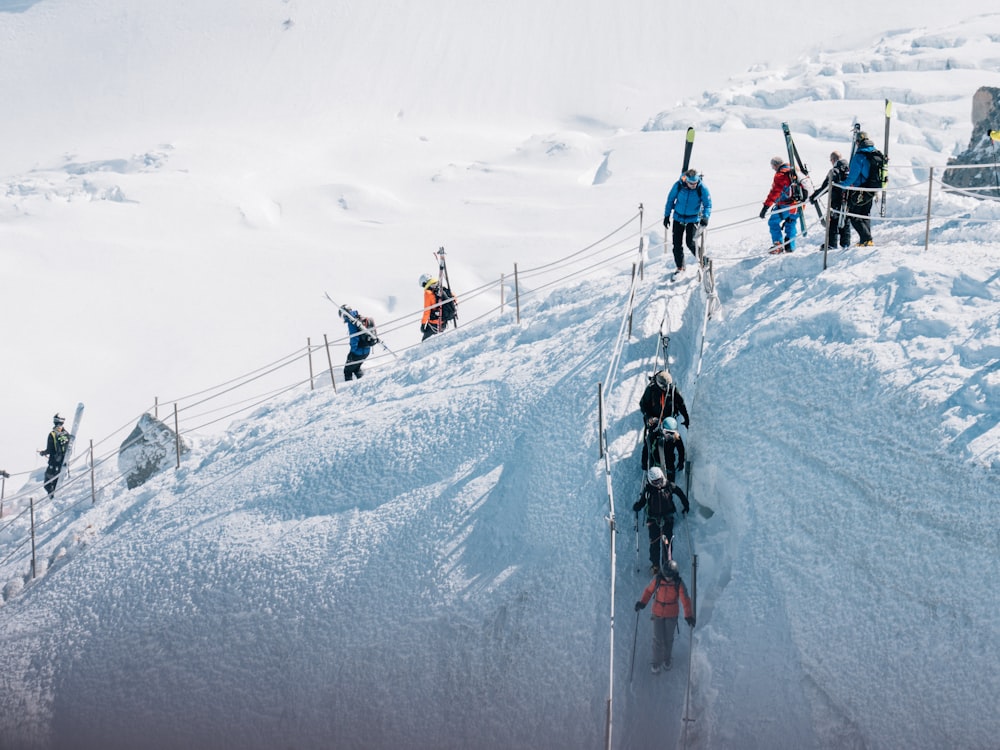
784 216
666 589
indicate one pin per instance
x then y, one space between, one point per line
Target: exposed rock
150 449
982 149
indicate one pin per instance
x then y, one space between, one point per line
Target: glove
686 423
637 506
689 621
813 200
763 212
686 509
638 606
666 222
703 222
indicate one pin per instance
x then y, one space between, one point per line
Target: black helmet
57 420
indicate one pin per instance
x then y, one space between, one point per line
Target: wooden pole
517 294
93 486
177 436
930 191
31 502
309 351
329 361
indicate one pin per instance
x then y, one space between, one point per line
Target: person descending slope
691 204
55 451
661 399
657 499
663 447
666 589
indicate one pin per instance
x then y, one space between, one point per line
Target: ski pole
635 637
636 541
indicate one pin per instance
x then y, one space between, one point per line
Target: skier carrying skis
691 204
662 399
859 203
362 341
784 217
838 173
657 499
666 589
440 306
663 447
55 450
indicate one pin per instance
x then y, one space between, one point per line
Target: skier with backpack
657 498
663 447
837 230
865 172
362 335
661 399
440 307
55 451
666 590
691 204
785 213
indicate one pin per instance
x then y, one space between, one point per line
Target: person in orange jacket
784 217
666 589
440 306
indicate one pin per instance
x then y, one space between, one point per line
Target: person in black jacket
661 399
55 451
657 499
663 447
839 228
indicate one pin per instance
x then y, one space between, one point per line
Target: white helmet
670 569
426 279
656 476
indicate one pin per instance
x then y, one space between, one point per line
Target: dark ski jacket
355 331
55 447
656 402
665 449
659 501
689 204
837 174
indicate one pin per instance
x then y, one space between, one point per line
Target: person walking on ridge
666 590
55 450
691 204
783 223
362 340
859 202
837 230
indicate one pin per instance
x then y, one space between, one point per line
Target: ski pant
781 220
836 232
688 233
663 639
431 328
51 479
658 527
861 204
353 367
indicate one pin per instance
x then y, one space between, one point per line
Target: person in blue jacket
859 203
362 341
691 204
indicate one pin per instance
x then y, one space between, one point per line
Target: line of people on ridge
440 309
661 405
784 205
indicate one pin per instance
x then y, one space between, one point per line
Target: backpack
876 169
367 340
449 310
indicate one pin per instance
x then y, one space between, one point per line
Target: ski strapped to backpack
884 171
446 299
801 183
